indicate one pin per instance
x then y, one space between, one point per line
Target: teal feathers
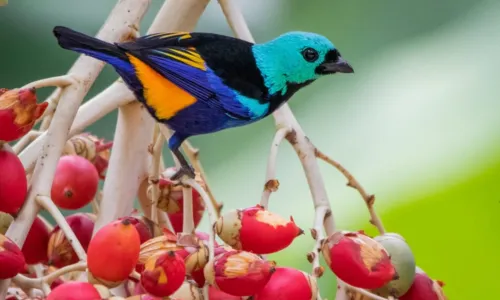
281 61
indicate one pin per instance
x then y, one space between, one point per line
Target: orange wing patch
162 95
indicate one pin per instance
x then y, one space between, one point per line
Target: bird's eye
310 54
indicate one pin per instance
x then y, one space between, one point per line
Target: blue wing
184 67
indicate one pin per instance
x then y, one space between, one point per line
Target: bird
199 83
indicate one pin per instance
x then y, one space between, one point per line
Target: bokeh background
418 123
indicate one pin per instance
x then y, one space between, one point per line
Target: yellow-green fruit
5 220
404 262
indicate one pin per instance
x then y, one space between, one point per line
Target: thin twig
90 112
317 233
26 140
47 203
272 183
365 293
352 182
24 281
211 209
193 155
48 114
154 172
59 81
187 193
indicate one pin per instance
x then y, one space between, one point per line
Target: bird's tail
82 43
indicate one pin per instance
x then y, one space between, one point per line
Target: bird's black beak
331 67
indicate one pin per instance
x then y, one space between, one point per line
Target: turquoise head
297 58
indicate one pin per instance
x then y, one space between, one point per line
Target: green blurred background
418 123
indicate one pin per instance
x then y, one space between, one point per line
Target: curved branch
91 111
59 81
352 182
49 205
318 236
26 140
272 183
24 281
154 171
344 289
193 154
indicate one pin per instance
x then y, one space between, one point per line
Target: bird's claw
184 170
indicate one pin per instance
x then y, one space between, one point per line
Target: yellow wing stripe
162 35
195 57
195 63
161 94
168 35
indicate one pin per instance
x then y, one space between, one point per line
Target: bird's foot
186 170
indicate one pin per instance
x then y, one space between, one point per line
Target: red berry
37 240
74 290
256 230
13 183
18 113
60 251
75 182
113 253
163 274
288 283
239 273
358 260
142 228
424 288
94 149
11 258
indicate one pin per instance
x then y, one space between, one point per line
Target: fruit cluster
150 262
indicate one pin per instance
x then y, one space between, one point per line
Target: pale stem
187 193
352 182
211 209
318 236
187 207
211 213
26 140
85 70
129 159
146 205
50 227
24 281
193 154
47 203
285 118
135 275
342 292
154 172
90 112
38 270
59 81
271 184
95 206
48 114
128 163
205 292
